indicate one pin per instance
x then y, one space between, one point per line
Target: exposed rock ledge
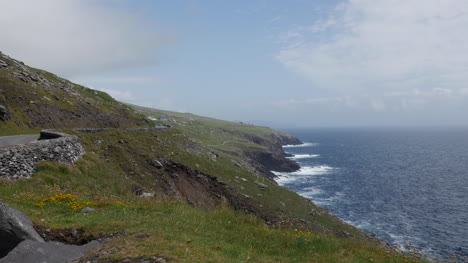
21 243
274 157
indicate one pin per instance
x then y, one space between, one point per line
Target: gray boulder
155 163
261 185
15 227
30 251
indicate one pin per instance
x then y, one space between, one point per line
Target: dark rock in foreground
15 227
51 252
4 115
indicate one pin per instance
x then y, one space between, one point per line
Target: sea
405 185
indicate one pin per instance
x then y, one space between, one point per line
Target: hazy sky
295 62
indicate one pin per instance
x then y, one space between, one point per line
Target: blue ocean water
404 185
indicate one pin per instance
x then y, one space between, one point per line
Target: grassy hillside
31 99
198 192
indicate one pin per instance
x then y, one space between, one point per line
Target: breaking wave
306 144
302 174
303 156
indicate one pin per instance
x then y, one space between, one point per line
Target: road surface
17 139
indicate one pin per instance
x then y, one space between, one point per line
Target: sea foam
306 144
302 174
303 156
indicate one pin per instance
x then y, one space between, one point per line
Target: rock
221 182
155 163
244 180
15 227
147 195
4 115
23 79
51 252
34 78
88 209
312 212
261 185
3 64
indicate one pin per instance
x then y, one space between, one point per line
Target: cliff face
272 157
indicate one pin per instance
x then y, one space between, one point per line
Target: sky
295 63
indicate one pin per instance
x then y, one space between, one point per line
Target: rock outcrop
15 227
51 252
4 114
274 157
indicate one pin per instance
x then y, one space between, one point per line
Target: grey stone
147 195
15 227
261 185
34 78
155 163
3 64
23 79
88 209
51 252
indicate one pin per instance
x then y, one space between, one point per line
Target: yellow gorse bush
66 200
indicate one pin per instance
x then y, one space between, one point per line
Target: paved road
17 139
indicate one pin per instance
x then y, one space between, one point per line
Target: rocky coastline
274 159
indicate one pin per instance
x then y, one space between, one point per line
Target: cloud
397 102
383 46
78 37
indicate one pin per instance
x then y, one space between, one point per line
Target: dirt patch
71 236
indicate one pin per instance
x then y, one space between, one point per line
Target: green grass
171 228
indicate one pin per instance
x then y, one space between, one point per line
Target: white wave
314 170
310 192
306 144
302 174
361 224
401 241
328 201
303 156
